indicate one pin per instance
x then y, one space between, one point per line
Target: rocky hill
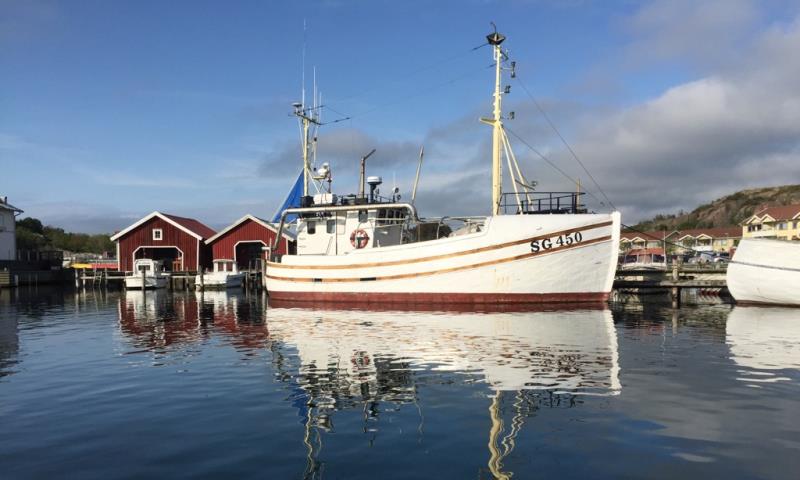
730 210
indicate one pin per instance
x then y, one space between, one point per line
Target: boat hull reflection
572 351
764 338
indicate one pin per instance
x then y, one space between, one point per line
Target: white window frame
158 234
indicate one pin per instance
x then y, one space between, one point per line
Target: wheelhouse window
311 227
157 234
330 226
362 216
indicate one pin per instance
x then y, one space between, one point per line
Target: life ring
359 238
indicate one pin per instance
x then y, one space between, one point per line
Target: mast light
495 38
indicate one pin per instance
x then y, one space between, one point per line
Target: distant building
722 239
636 240
780 222
177 241
8 229
718 240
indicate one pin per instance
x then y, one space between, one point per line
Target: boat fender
359 238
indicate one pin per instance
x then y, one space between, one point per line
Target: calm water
121 385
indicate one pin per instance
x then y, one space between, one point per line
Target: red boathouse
243 241
179 242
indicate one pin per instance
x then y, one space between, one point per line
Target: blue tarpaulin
292 200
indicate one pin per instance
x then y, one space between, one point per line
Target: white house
8 231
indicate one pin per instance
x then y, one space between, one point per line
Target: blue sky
110 110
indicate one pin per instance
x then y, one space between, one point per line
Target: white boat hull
135 282
219 280
515 259
765 271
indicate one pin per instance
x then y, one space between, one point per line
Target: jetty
674 279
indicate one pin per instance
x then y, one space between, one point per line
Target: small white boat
224 275
644 259
148 274
765 271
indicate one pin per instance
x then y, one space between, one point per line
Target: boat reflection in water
764 340
156 320
355 359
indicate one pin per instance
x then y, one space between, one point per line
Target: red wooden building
179 242
243 241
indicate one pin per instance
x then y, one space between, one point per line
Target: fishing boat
224 275
147 274
765 271
534 246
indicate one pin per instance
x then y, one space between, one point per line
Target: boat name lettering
559 241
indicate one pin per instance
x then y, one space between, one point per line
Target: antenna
303 76
363 170
416 179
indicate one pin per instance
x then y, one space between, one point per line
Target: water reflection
9 336
764 340
159 319
355 360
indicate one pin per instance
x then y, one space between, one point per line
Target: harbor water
103 384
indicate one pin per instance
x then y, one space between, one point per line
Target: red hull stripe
431 301
443 270
439 257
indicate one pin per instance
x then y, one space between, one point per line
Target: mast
495 39
307 120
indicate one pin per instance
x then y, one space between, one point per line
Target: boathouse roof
245 218
191 226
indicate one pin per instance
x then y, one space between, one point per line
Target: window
782 226
311 227
330 226
157 234
362 216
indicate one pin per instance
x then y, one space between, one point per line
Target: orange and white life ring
359 238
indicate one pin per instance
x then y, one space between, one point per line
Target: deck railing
542 203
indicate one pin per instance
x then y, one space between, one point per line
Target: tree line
32 235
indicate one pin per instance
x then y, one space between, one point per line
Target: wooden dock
676 279
673 281
87 278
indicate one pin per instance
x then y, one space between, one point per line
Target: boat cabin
224 265
147 266
337 232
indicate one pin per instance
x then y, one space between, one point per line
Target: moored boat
644 259
765 271
534 247
225 275
146 274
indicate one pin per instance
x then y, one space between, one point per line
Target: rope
549 162
628 227
564 141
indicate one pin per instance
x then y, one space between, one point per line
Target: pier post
676 297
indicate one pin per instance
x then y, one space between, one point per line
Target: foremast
500 143
495 39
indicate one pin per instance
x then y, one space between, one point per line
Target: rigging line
421 92
410 73
564 141
652 237
549 162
